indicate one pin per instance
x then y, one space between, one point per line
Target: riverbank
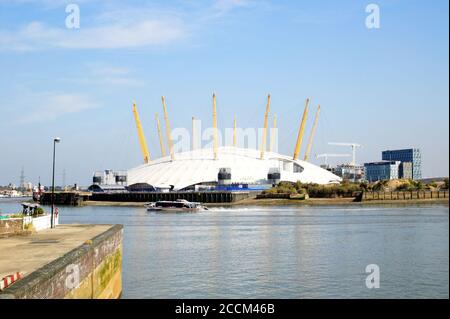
283 202
337 201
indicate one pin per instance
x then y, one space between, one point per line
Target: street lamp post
55 140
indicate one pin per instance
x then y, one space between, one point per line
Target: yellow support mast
168 134
266 124
141 135
234 132
311 137
215 125
160 135
301 131
272 133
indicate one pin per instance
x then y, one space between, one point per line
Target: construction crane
354 146
326 156
311 137
301 130
141 135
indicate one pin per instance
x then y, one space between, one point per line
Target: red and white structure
9 280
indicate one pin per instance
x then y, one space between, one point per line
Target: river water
278 252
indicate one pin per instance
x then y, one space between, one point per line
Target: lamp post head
57 140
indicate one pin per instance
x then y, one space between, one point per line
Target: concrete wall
11 226
43 222
203 197
14 226
91 271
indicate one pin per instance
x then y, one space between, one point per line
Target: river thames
277 252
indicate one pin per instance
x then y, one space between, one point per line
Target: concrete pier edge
50 270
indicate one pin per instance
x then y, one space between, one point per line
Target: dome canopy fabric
199 166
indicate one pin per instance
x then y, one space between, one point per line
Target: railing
405 195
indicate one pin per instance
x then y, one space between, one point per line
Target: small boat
180 205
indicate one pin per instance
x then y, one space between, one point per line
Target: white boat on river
180 205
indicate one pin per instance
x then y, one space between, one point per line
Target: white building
236 166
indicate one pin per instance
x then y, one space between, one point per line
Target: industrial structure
350 171
326 156
224 167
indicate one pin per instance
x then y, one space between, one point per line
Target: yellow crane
311 137
272 133
266 124
160 135
301 131
141 135
168 135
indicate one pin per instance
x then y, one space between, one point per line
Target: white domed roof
199 166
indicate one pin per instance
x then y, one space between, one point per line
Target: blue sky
384 88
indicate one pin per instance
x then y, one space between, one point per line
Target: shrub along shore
349 189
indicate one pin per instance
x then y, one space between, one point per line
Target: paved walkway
28 253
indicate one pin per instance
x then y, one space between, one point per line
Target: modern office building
385 170
406 170
412 155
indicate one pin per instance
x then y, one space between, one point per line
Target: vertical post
141 135
161 142
53 185
55 140
266 124
215 125
301 131
166 120
311 137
